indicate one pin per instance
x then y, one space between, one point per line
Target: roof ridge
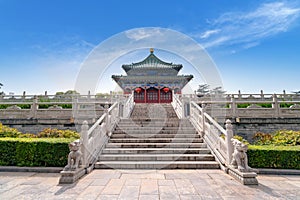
151 59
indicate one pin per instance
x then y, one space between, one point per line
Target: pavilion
152 80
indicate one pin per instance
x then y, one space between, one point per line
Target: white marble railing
216 137
259 108
177 105
94 138
128 106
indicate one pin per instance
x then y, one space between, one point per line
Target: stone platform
147 184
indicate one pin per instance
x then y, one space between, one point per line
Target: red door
139 97
165 97
152 96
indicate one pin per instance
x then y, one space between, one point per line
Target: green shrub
8 151
55 133
4 106
262 138
46 106
243 105
281 137
286 137
6 131
278 157
47 152
265 105
240 138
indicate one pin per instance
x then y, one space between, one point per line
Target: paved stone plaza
148 185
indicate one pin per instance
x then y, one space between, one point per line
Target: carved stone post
228 137
233 107
276 106
262 94
203 105
84 140
34 107
107 121
89 95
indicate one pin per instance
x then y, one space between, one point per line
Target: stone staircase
154 138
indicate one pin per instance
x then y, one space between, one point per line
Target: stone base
246 178
68 177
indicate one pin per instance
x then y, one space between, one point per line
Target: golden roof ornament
151 50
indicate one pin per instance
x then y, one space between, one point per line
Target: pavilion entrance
152 95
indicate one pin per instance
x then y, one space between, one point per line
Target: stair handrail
177 105
93 139
128 106
216 137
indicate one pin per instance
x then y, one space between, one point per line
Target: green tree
70 92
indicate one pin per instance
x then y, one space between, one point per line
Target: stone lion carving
239 156
74 157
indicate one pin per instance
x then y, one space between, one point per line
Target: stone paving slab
148 185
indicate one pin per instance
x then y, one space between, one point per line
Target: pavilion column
145 96
158 95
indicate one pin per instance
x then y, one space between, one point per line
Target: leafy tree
59 93
69 92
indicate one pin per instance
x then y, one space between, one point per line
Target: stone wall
247 127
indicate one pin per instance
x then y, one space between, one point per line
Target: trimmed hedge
45 152
277 157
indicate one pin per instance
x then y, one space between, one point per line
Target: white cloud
208 33
248 28
138 34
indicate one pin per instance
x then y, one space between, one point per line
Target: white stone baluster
84 143
228 137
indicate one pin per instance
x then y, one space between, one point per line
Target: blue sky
255 44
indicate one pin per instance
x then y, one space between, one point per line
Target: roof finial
151 50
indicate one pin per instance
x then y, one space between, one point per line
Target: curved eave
152 60
116 77
138 78
189 77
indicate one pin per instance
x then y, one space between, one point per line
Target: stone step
147 118
156 150
157 165
156 145
155 131
154 124
151 140
156 157
147 121
160 135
